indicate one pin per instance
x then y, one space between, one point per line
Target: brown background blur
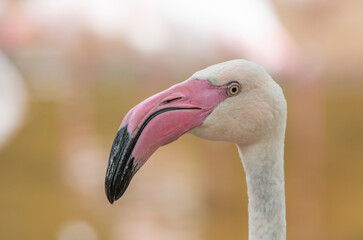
81 65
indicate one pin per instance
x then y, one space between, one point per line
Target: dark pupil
234 90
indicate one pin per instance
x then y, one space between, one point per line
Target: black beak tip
109 195
115 188
110 200
118 164
114 195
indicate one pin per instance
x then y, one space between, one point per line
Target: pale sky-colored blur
71 69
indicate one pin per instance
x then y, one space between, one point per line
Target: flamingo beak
157 121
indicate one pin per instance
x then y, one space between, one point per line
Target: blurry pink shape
13 96
249 29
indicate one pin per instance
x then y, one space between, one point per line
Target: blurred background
70 70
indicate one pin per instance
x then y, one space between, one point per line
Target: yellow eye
234 89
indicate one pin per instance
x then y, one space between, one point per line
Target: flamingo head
234 101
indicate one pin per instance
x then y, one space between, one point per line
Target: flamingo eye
234 89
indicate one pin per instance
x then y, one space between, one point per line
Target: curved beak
157 121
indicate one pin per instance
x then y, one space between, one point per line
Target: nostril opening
170 100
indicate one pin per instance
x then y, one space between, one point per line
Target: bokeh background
70 70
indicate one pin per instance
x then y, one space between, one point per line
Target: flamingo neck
264 166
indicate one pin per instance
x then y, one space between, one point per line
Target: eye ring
233 89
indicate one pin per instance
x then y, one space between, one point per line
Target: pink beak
157 121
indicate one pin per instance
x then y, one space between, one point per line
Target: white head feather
258 111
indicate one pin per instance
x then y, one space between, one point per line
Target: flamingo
235 101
